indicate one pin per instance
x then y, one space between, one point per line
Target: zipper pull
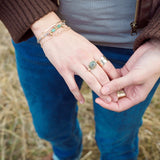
133 28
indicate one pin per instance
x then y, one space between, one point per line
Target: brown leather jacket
145 9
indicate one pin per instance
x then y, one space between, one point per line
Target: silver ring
103 60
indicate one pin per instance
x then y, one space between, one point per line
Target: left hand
138 77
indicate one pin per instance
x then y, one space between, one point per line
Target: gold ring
103 60
121 94
92 65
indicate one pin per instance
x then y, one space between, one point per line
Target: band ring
92 65
103 60
121 94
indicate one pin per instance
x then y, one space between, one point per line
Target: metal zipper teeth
58 2
134 23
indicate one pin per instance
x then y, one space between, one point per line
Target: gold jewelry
61 30
51 30
103 60
121 94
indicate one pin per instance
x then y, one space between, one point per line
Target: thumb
117 84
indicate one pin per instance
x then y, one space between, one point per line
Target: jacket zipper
58 2
134 24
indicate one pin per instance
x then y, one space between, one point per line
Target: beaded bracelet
52 29
65 28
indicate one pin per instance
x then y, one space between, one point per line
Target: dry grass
18 140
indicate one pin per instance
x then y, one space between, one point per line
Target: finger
122 104
94 68
110 70
99 74
91 81
89 78
70 81
117 84
135 95
101 77
107 66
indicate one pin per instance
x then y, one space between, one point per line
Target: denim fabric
54 109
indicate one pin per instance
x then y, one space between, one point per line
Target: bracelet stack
52 30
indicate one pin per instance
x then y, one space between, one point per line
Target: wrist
40 25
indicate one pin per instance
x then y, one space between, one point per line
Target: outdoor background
18 140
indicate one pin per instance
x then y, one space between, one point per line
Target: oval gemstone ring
92 65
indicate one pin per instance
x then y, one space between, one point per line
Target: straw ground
18 140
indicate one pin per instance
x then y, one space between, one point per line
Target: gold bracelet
49 31
60 31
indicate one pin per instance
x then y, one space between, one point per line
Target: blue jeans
54 109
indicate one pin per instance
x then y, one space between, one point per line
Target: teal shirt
104 22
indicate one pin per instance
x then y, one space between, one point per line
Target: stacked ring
103 60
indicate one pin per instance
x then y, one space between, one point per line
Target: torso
104 22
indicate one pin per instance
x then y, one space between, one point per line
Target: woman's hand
137 79
71 53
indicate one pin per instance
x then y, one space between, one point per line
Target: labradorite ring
92 65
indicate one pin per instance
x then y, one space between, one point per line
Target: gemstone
92 64
59 25
53 30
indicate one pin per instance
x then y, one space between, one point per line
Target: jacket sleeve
151 31
19 15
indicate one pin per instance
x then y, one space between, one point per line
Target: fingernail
108 99
105 90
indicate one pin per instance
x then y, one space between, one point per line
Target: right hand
71 53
